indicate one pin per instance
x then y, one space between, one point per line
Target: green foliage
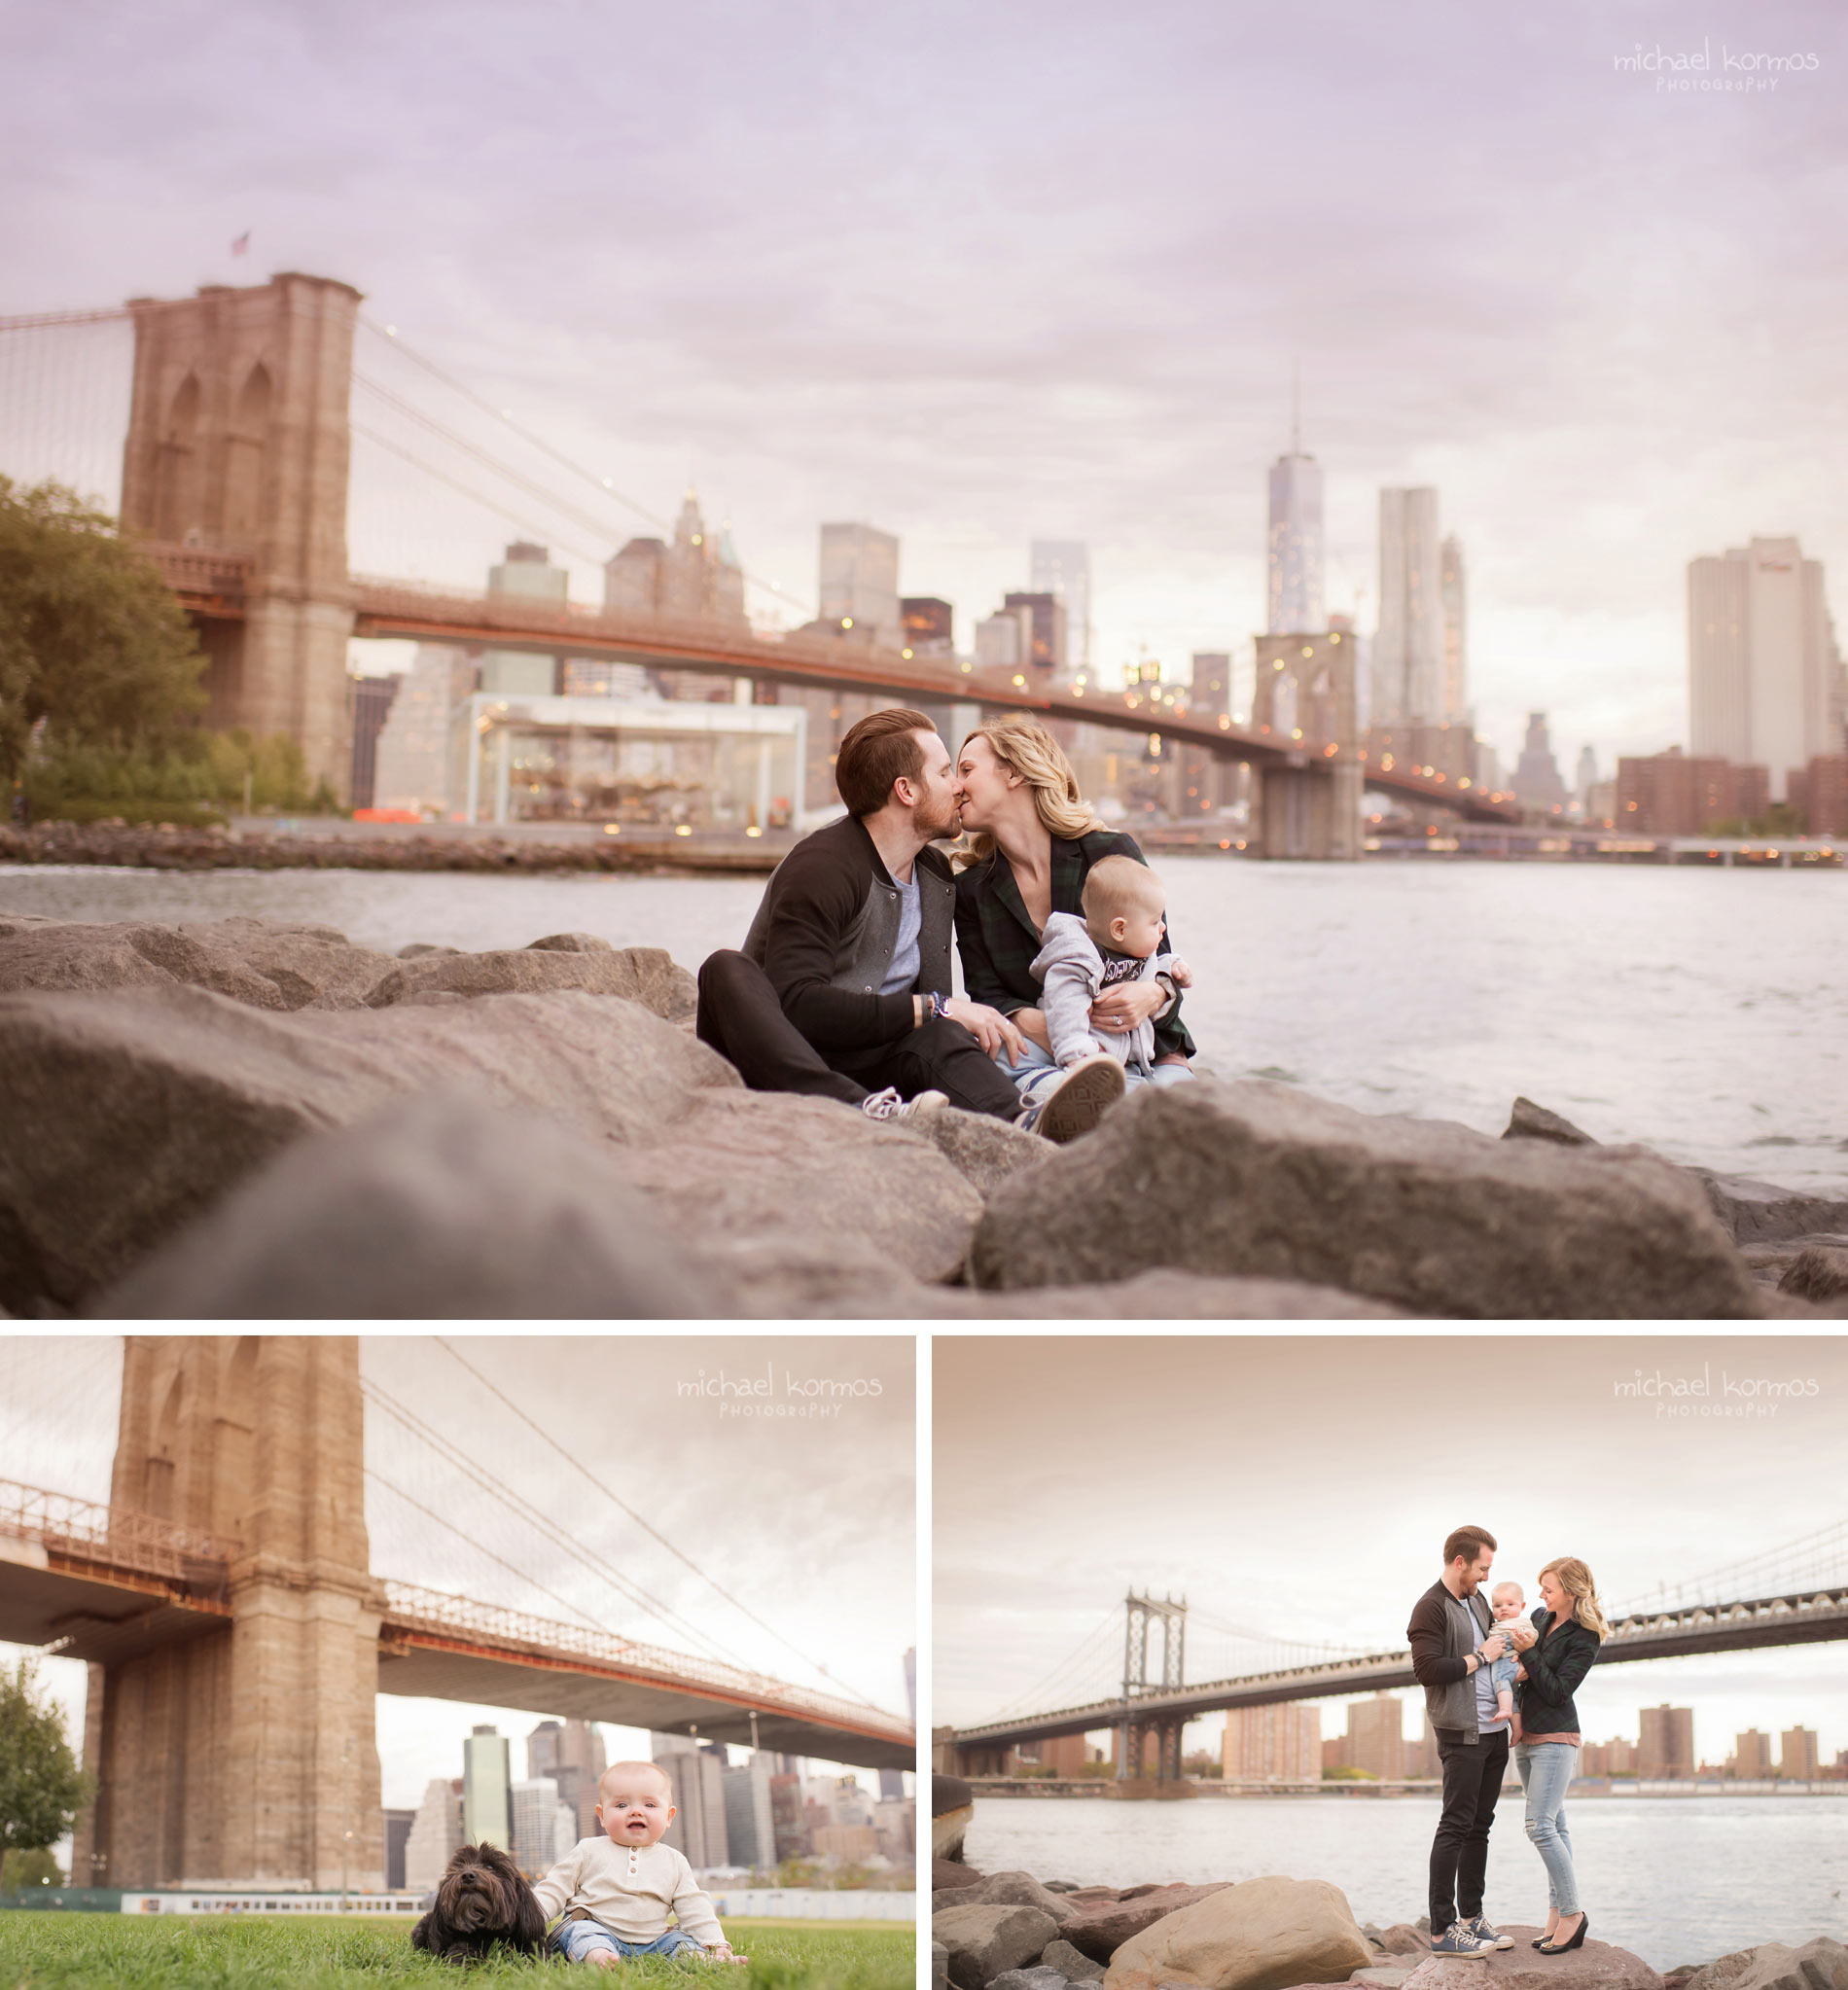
1348 1776
36 1868
1780 819
198 776
41 1787
92 644
304 1952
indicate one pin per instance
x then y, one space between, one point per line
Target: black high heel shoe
1564 1947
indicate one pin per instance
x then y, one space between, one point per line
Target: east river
1704 1013
1675 1879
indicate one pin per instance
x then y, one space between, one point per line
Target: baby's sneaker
1061 1111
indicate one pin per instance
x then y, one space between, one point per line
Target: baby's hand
724 1952
1180 973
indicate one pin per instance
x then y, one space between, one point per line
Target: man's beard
936 824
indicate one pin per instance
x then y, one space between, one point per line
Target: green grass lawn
52 1952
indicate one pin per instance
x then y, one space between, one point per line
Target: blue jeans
579 1941
1030 1073
1546 1769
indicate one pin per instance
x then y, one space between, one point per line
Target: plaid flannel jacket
997 941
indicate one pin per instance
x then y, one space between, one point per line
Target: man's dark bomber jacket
1440 1656
824 931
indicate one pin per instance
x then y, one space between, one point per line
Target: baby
1121 937
1507 1605
615 1892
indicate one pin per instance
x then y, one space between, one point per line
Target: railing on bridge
413 1607
115 1537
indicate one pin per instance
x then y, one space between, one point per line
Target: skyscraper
1294 554
1376 1736
1666 1748
750 1824
1797 1754
1049 629
487 1817
1409 649
860 583
1062 567
1273 1744
1537 782
1456 632
1762 658
696 1771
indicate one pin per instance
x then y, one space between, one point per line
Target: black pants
1460 1851
741 1018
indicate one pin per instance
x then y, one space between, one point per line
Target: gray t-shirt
906 957
1487 1721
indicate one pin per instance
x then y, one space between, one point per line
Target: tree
41 1787
92 644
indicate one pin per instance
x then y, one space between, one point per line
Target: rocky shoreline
1008 1930
166 846
242 1119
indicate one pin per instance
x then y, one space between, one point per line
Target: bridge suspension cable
457 1459
1819 1559
1092 1649
653 1532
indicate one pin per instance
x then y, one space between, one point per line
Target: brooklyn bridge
237 474
237 1636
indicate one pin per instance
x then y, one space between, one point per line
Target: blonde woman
1031 841
1555 1654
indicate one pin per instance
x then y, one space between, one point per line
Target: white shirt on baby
630 1889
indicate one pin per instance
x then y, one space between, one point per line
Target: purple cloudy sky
984 274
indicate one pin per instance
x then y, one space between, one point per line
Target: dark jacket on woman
998 943
1556 1667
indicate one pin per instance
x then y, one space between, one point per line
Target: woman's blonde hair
1026 748
1575 1578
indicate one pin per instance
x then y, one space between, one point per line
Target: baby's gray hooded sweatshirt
1071 970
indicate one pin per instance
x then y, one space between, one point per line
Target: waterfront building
487 1817
1210 693
572 1753
1536 783
750 1820
1820 795
1062 568
928 625
895 1822
1762 662
1585 779
1408 644
398 1824
1003 640
859 592
695 1770
436 1831
1293 548
787 1822
534 1802
1674 794
1799 1760
1281 1743
1047 631
411 758
1453 591
845 1844
527 572
1377 1737
1752 1756
602 677
1667 1745
697 575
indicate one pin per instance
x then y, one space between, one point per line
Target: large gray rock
1597 1965
987 1150
1260 1935
1819 1271
647 975
1260 1180
939 1967
1022 1890
983 1941
440 1207
124 1116
1072 1964
1037 1977
1763 1213
1101 1927
1529 1121
311 967
1820 1963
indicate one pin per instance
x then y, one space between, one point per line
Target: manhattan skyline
826 269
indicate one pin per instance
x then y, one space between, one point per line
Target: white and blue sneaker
887 1104
1459 1939
1483 1932
1067 1103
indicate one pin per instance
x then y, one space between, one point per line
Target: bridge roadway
104 1584
1795 1617
211 585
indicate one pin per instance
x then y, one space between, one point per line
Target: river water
1675 1880
1704 1013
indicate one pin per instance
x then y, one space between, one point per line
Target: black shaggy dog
480 1900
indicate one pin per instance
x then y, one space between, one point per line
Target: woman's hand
988 1027
1121 1009
1521 1635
